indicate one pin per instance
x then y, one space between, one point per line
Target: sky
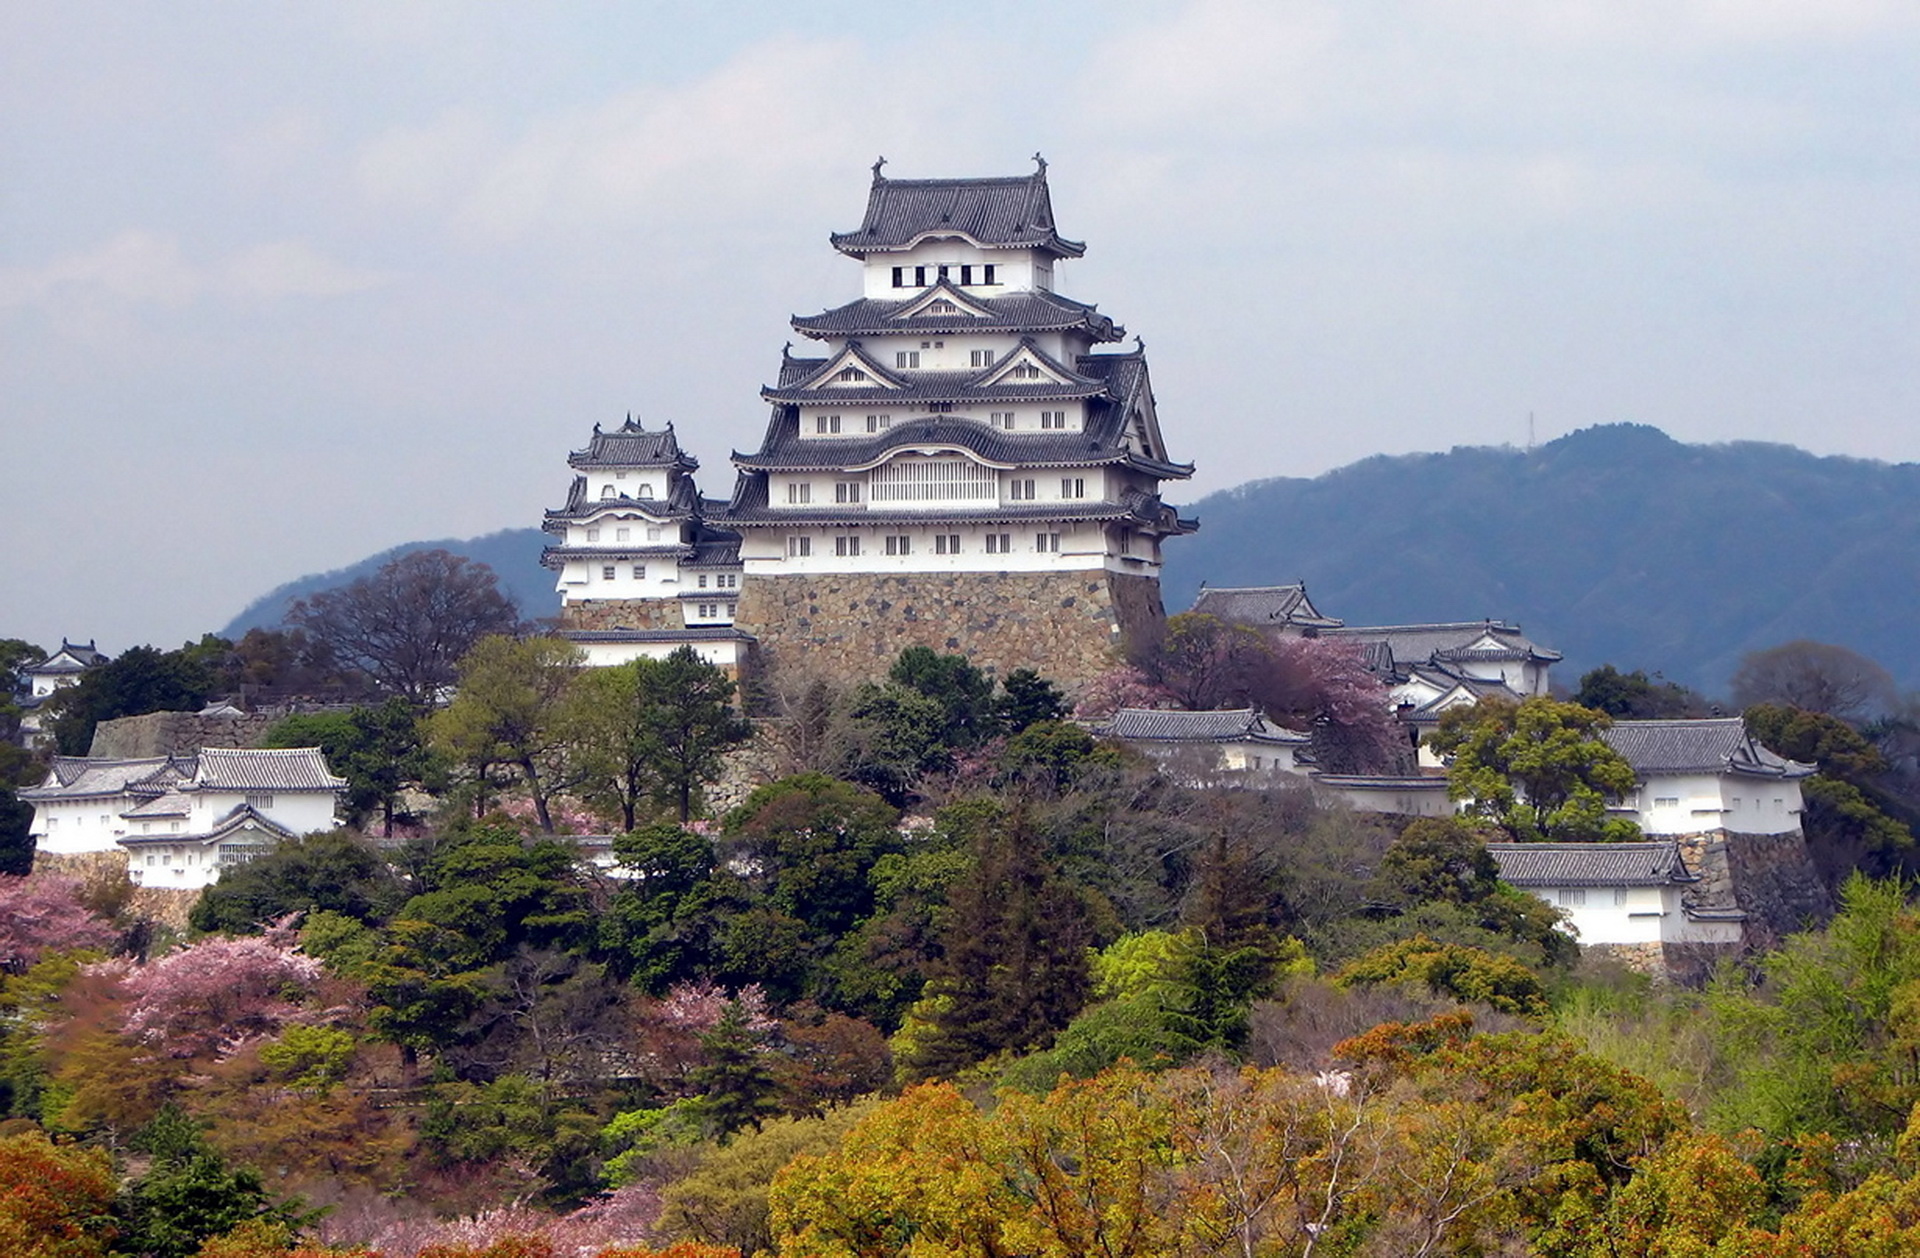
284 285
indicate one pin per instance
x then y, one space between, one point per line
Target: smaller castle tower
641 572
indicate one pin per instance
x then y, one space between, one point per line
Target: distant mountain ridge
512 553
1614 544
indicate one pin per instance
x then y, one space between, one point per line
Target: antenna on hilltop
1529 432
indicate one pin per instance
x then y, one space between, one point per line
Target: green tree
691 724
1013 963
663 924
814 841
139 680
964 693
509 709
608 723
378 750
894 737
1538 768
338 871
1851 821
1027 698
736 1080
1635 696
189 1193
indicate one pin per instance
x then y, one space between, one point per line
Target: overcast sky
283 285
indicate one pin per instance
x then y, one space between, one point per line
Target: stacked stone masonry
850 626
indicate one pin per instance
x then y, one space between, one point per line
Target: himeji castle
960 462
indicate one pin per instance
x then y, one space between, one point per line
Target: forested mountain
1614 544
512 553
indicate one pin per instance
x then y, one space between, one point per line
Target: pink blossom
698 1006
43 913
1122 687
213 997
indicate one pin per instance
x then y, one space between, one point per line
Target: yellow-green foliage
1470 974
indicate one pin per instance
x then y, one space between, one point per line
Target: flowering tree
45 914
219 994
1325 683
1122 687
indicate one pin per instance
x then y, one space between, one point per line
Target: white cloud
139 267
293 268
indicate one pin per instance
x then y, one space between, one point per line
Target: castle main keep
959 463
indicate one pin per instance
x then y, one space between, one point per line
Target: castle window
606 572
879 423
703 580
899 545
799 492
1126 542
728 580
942 307
933 480
1073 487
151 860
1025 371
999 543
1001 419
1573 896
593 535
646 491
1021 490
1047 543
851 375
799 547
639 572
907 358
1619 897
621 535
987 274
826 424
606 491
966 275
982 358
1666 801
919 277
846 491
940 408
899 277
260 801
619 476
943 272
1053 419
653 535
847 547
706 611
731 609
946 543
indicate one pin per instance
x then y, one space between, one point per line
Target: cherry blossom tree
45 913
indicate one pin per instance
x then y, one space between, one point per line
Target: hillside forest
620 962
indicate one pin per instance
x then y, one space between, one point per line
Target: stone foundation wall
1070 626
163 906
1769 877
177 734
624 613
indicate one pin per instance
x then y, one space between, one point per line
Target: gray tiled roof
72 657
77 777
256 769
1034 311
1011 212
1591 864
1101 442
751 510
982 384
1263 605
243 817
1711 745
172 804
681 502
1412 644
630 445
1232 725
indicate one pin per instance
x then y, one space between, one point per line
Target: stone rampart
1769 877
849 627
176 734
625 613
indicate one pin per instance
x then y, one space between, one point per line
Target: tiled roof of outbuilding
77 777
1231 725
1011 212
1708 745
1591 864
259 769
1411 644
1263 605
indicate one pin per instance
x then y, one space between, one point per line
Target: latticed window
934 480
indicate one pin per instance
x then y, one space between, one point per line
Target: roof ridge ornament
1041 163
877 176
